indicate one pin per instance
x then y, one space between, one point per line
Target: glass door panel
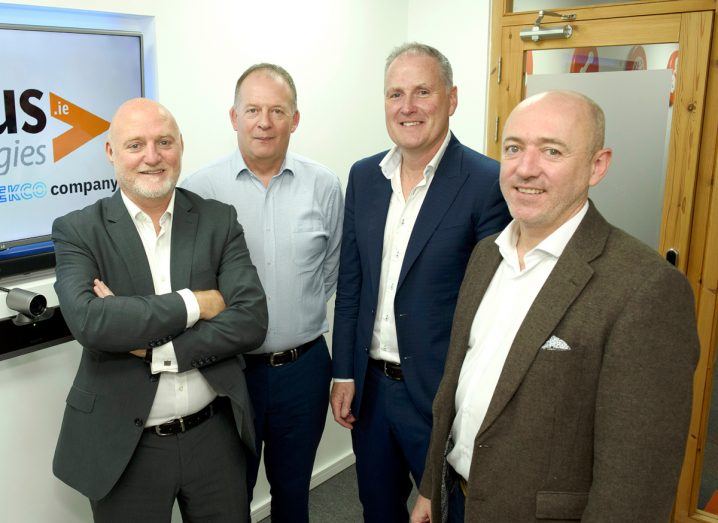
645 45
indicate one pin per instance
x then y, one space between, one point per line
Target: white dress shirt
178 394
400 221
503 309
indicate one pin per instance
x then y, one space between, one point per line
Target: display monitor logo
31 118
85 126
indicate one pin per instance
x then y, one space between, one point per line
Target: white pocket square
555 343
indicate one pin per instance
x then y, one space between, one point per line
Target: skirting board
318 477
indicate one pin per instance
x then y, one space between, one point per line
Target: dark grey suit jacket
594 433
113 390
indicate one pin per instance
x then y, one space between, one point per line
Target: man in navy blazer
412 217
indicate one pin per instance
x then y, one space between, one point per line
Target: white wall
335 50
460 30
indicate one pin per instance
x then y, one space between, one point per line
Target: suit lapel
446 183
123 232
184 232
567 280
478 278
381 192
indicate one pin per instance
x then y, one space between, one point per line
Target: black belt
183 424
390 370
277 359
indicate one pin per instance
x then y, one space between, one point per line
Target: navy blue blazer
463 205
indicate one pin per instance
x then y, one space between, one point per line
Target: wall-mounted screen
60 88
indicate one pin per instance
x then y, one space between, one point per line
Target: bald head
140 109
586 113
145 146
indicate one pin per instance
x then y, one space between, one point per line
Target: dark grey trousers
203 468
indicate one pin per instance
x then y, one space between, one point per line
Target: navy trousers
290 407
390 439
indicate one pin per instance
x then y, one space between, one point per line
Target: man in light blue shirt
291 210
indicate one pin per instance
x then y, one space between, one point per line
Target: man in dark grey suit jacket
157 286
567 387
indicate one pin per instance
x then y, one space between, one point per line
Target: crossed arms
120 324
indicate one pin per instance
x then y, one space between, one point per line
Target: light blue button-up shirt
293 232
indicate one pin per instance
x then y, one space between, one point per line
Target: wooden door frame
702 271
701 265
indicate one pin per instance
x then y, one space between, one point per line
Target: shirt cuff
343 380
190 302
164 359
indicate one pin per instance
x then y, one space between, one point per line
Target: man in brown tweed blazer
567 388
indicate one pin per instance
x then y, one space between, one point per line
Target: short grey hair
416 48
273 70
598 118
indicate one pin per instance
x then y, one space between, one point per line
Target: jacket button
212 358
139 422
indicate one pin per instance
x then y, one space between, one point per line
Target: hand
341 402
210 303
422 510
101 290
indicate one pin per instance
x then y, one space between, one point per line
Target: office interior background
335 50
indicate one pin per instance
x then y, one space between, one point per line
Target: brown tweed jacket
594 433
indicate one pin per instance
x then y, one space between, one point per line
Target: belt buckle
158 429
293 352
386 371
385 368
271 359
463 485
